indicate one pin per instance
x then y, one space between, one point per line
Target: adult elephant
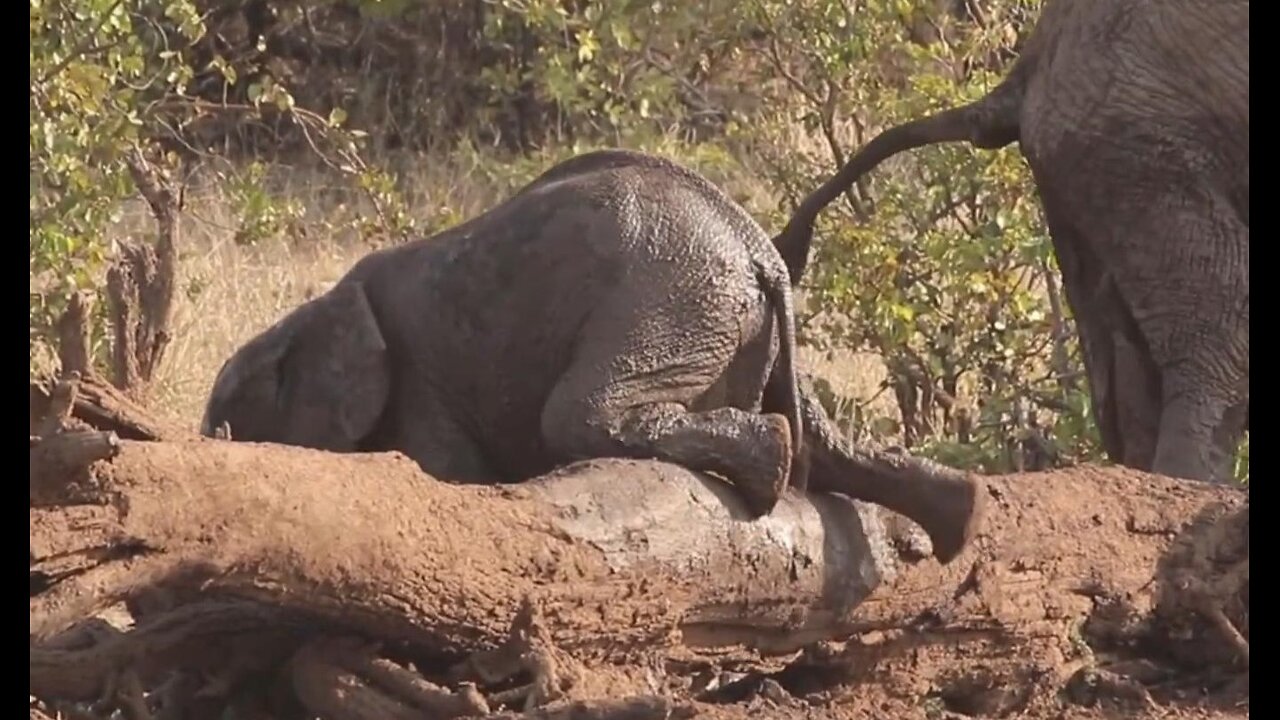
618 305
1134 118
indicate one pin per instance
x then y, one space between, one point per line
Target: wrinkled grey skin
619 305
1134 118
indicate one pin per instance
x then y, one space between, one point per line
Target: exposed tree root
636 708
340 678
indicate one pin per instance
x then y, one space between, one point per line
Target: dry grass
241 292
228 292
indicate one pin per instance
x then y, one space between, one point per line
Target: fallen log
618 555
265 551
620 560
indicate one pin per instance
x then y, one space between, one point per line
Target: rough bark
100 405
1078 581
373 590
140 283
73 334
448 565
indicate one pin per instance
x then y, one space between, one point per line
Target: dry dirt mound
281 582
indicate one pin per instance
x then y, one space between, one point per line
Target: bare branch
141 281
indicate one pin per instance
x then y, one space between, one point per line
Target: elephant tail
989 122
778 294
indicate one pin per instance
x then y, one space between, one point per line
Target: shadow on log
368 589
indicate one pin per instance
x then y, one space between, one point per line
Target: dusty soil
275 580
1133 655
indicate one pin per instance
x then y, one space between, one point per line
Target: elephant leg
1135 402
1124 381
946 503
1124 386
1080 268
1199 434
630 394
423 429
750 450
1197 322
1098 353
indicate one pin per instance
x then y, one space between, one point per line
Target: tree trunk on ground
606 580
354 534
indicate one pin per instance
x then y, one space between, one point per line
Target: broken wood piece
636 708
61 460
229 638
329 690
73 334
1213 612
102 406
527 652
141 280
40 711
61 401
352 662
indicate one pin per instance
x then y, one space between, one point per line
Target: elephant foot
946 503
1199 438
749 450
950 514
761 475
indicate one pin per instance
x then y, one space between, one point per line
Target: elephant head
319 378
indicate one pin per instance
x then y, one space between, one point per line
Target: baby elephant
619 305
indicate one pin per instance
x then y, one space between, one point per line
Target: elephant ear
334 378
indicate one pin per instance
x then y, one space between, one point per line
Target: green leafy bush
100 71
940 264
